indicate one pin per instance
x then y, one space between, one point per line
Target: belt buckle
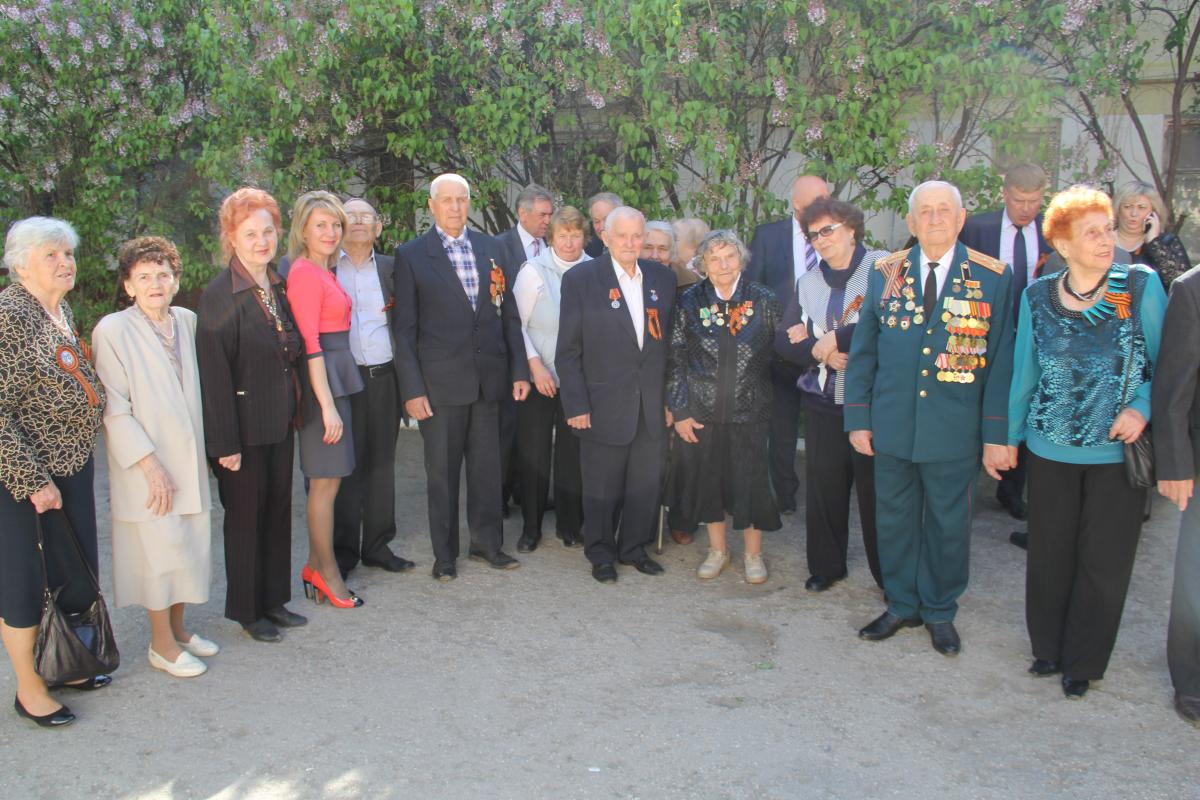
375 369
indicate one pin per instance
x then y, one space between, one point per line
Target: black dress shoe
1042 667
444 571
262 630
284 618
944 638
885 627
787 510
819 583
527 543
392 563
605 573
569 539
646 566
1188 707
496 560
1020 539
90 685
55 719
1073 689
1015 506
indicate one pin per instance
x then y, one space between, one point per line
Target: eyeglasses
827 231
364 219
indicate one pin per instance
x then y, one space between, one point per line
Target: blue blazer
445 350
601 371
771 258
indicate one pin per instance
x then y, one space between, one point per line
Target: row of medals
964 321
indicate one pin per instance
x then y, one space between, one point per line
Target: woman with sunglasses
815 335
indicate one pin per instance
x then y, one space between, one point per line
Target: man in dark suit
613 337
365 509
520 243
1175 399
457 338
1014 235
779 255
599 207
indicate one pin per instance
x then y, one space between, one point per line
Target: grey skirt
317 459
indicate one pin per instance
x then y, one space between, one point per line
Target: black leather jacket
714 376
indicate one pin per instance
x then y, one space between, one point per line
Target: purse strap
41 542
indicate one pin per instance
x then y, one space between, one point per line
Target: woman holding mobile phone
1140 239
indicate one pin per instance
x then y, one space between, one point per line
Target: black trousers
621 482
543 437
1084 523
509 467
1183 631
258 529
452 434
364 514
785 430
831 468
1012 481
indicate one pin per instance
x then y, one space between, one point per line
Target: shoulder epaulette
987 262
892 260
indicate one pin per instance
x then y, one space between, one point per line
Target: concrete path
541 683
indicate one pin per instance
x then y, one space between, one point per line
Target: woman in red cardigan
322 311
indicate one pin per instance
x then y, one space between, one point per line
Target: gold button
924 393
925 351
929 332
924 373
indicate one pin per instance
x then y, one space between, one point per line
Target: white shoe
199 646
186 666
756 570
713 565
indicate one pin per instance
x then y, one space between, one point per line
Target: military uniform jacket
933 389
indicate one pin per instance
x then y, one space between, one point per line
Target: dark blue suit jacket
510 253
601 371
444 349
771 258
982 232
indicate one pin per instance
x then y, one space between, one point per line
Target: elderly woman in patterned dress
51 404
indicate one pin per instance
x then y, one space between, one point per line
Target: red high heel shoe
322 592
306 577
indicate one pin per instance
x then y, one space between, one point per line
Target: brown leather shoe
681 537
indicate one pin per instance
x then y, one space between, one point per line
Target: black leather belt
376 370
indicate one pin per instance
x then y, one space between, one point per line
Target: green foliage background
130 117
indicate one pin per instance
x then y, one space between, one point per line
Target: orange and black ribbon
652 323
498 285
1122 302
68 361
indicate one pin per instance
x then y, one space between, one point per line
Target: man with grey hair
600 205
459 350
613 339
523 242
926 390
779 255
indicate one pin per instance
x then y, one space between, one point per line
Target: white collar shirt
527 240
943 268
631 288
1008 240
370 341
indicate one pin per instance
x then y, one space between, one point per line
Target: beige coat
149 412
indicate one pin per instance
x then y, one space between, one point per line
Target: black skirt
725 473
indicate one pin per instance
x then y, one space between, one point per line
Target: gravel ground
542 683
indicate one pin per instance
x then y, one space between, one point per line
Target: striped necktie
810 258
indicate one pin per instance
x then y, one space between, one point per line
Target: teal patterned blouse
1069 366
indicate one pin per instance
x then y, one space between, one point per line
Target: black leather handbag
1139 456
72 646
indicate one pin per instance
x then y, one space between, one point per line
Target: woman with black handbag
51 405
1079 416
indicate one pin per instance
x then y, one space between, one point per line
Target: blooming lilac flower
781 89
595 98
478 22
791 33
814 134
816 12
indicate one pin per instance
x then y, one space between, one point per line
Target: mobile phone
1149 222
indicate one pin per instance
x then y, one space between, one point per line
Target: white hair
623 212
33 232
448 177
912 198
607 197
663 226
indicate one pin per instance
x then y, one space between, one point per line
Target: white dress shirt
528 288
370 341
527 240
632 289
1008 238
943 269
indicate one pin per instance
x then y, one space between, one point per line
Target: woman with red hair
1087 342
248 351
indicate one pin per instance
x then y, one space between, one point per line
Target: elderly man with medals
926 392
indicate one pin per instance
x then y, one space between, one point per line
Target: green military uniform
931 391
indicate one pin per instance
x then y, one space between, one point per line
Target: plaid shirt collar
460 241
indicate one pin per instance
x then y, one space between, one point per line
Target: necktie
537 247
1020 267
810 258
929 293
